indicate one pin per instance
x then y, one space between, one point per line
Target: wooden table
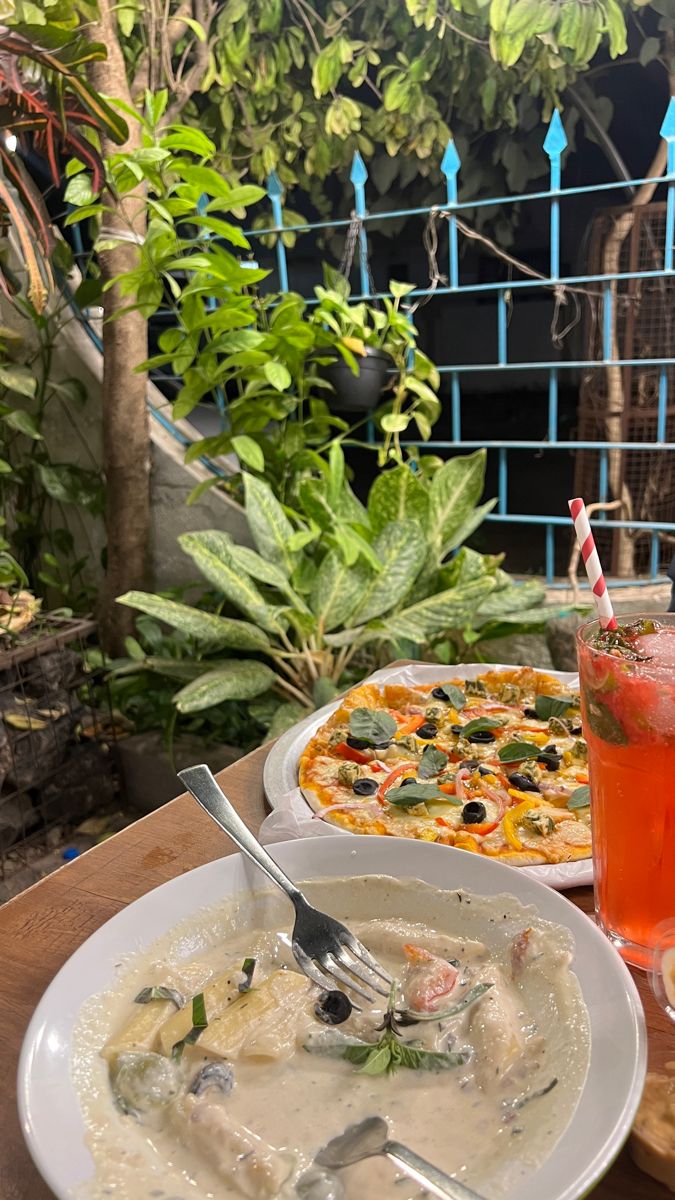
42 927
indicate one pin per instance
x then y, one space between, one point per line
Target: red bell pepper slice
349 752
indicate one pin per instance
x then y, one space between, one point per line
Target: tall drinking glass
627 681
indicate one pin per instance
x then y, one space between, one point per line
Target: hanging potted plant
376 344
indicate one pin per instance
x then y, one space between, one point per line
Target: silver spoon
370 1138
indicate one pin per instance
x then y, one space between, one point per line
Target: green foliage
350 593
159 663
38 492
298 88
265 353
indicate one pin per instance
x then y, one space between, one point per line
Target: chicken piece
428 979
247 1164
496 1028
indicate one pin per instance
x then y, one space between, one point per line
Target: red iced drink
628 708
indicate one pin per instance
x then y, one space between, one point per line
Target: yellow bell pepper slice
512 819
464 841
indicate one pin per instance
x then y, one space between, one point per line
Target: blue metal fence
448 432
450 439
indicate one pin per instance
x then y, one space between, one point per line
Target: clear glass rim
667 618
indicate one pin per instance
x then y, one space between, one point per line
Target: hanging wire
355 229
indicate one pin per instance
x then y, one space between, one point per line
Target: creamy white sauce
462 1119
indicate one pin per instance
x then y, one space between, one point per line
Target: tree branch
186 84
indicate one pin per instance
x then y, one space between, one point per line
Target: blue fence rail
554 143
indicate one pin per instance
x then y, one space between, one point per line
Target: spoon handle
424 1173
202 784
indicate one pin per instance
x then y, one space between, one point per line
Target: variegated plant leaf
268 523
208 551
337 590
401 548
397 495
211 630
435 614
475 518
455 490
523 619
350 508
259 568
513 599
239 679
314 502
287 715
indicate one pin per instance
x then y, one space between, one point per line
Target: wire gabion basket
56 728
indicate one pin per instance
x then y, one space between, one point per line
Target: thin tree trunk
126 435
616 401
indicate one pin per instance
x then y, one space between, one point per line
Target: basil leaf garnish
371 725
552 706
454 694
479 723
518 752
432 762
248 967
199 1023
580 798
414 793
147 994
604 724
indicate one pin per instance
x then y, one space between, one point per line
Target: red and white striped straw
596 578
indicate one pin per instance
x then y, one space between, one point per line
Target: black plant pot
358 393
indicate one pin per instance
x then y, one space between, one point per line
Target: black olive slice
474 813
364 787
427 731
357 743
523 782
333 1007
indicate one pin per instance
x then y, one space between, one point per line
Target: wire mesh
631 404
55 732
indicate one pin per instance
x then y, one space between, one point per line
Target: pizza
496 765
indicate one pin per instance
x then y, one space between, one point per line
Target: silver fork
323 948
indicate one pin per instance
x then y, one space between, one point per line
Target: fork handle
424 1173
202 784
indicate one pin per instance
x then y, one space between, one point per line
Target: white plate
48 1105
292 816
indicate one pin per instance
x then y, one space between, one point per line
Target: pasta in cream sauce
213 1068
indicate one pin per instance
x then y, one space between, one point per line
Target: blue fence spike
556 139
668 132
667 129
274 185
359 172
450 164
275 191
554 144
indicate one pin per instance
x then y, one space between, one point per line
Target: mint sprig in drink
627 677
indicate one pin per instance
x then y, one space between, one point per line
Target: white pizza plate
292 816
48 1105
